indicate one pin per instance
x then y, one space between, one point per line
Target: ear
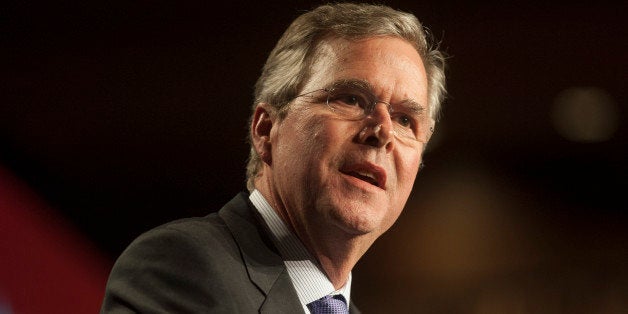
261 125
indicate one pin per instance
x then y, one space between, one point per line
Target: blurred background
119 116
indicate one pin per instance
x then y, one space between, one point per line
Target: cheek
407 169
306 142
322 137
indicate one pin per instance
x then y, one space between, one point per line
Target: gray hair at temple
288 65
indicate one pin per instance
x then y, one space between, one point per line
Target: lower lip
360 183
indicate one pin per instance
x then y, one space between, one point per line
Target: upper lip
368 172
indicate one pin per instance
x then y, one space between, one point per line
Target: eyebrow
411 105
408 103
353 82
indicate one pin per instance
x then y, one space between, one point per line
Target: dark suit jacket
220 263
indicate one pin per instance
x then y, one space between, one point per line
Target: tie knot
329 305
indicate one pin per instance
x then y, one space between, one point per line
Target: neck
336 250
336 262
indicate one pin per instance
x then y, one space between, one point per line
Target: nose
378 131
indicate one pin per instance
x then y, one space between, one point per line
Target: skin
311 155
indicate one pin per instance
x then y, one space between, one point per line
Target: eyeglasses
354 100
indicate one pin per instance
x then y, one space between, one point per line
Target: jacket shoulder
187 265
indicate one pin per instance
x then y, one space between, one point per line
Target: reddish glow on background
46 266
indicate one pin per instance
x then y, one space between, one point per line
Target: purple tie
329 305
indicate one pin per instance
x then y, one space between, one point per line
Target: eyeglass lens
410 121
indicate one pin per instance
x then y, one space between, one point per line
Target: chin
354 210
357 218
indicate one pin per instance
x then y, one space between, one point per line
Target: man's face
332 174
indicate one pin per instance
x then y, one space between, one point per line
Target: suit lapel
282 298
265 267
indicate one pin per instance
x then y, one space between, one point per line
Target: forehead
390 65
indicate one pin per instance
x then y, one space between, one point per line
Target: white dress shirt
305 272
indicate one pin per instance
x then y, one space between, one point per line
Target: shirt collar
308 279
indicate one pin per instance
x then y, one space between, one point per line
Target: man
344 109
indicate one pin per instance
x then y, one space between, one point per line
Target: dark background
125 115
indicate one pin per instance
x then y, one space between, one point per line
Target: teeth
366 174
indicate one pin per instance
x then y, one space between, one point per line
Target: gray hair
288 65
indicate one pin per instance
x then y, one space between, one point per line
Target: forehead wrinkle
333 55
414 105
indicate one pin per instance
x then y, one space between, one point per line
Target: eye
405 121
348 99
405 125
350 96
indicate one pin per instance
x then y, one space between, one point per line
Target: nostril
376 136
372 140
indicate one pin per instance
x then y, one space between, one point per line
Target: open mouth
364 176
369 173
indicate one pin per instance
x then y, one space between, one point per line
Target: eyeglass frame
365 89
